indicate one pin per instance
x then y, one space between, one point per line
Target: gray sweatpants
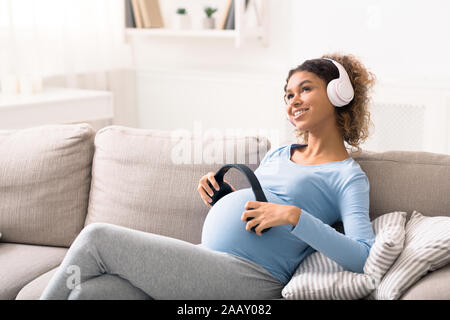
112 262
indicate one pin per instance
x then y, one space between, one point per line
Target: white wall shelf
54 106
239 34
181 33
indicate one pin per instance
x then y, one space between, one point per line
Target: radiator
409 119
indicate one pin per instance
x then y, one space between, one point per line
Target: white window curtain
69 43
62 37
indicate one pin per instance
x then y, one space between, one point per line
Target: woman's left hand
268 214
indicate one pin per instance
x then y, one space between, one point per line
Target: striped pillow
320 278
390 231
427 248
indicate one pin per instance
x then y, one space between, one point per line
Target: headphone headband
248 173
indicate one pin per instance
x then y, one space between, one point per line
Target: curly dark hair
353 119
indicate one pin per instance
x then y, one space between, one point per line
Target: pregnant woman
309 186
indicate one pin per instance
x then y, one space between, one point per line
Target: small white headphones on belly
340 90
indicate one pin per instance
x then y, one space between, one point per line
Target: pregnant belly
223 229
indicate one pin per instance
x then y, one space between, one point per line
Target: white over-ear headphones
340 91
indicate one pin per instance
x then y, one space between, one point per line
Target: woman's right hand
205 190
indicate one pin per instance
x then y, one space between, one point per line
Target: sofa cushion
147 179
44 183
434 286
21 263
407 181
427 248
34 289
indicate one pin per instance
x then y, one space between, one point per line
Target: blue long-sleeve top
325 193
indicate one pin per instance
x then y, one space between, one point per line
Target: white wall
402 40
406 45
185 82
122 84
191 82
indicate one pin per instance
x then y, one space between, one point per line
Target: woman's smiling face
305 90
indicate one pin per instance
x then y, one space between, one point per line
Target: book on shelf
129 17
145 13
223 19
252 13
137 13
151 14
229 25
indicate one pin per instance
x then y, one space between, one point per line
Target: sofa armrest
434 286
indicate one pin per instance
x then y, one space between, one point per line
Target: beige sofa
56 179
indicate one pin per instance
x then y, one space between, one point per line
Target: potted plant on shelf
209 21
182 19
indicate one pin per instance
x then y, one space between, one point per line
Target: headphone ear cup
331 93
224 189
340 91
345 90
